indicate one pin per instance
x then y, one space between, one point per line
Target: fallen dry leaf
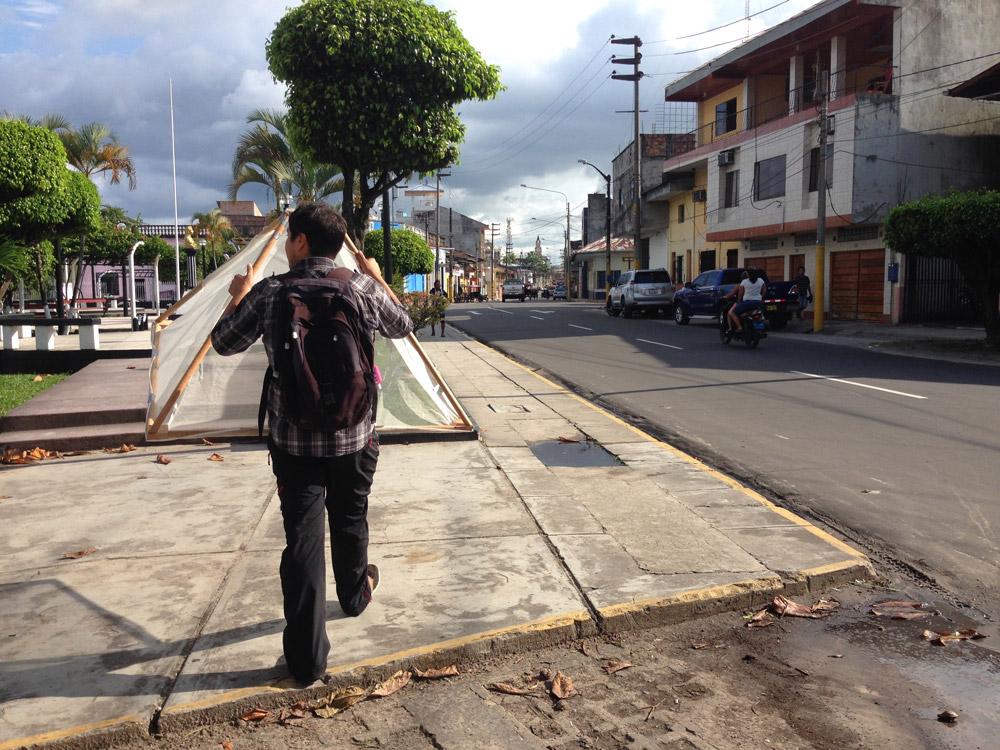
216 457
255 714
784 607
760 620
616 665
944 638
206 441
346 697
561 686
394 684
291 715
4 497
898 609
37 379
326 713
123 448
508 689
699 646
15 456
564 439
161 459
226 745
436 674
948 717
79 553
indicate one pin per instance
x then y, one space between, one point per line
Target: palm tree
93 149
216 230
49 122
266 156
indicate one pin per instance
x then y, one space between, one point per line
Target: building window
706 260
731 194
725 117
769 178
680 213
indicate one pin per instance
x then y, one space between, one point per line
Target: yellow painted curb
61 734
787 514
536 626
722 591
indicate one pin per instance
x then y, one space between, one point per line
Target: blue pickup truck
703 297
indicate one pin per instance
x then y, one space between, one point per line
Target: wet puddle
578 455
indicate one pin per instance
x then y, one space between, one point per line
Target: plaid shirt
257 316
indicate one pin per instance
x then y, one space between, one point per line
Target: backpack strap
262 409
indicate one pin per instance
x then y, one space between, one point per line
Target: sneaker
373 577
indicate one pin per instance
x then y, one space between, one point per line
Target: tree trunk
354 217
81 267
60 283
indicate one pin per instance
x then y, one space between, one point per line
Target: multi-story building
882 69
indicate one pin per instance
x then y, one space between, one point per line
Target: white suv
640 290
513 290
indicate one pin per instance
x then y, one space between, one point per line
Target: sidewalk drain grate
509 408
580 455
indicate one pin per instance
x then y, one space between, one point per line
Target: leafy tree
410 252
266 156
49 121
216 230
372 87
32 161
14 267
510 259
964 227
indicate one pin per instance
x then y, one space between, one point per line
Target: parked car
705 297
641 290
513 290
559 292
547 293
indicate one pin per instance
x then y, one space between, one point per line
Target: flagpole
177 231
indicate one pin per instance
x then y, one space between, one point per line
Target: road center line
582 328
505 312
657 343
859 385
543 312
781 436
473 312
536 317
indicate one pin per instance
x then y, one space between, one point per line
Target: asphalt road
902 451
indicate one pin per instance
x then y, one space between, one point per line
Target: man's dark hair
753 274
323 227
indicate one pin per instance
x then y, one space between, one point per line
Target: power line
723 26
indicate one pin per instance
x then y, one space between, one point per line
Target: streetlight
566 250
607 228
131 283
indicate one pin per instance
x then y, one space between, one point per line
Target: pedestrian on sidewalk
315 468
804 286
437 291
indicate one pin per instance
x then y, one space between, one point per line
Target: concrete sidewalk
175 617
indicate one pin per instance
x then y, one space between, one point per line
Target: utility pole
494 228
437 228
635 76
819 295
386 237
510 236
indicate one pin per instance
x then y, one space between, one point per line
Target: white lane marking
657 343
536 317
543 312
782 436
505 312
876 479
582 328
473 312
859 385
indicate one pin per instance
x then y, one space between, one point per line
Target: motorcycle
753 327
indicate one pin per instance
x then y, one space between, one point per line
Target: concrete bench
13 327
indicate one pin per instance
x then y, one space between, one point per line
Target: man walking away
318 459
804 286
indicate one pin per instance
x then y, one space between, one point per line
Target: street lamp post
437 229
607 228
569 286
131 282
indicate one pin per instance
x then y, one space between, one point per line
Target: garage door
773 267
857 285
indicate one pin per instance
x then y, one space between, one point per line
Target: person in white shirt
750 294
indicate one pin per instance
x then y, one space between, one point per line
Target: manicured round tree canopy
32 160
410 253
372 86
83 206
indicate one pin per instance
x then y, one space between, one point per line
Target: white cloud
256 90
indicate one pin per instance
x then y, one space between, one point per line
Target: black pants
305 486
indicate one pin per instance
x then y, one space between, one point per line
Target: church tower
538 246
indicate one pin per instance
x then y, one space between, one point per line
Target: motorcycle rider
749 295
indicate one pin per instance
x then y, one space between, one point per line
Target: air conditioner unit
700 196
727 157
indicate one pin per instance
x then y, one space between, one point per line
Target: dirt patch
965 350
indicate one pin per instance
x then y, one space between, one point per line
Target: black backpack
324 358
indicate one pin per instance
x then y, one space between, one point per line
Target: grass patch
16 389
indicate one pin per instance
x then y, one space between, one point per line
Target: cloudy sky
110 61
